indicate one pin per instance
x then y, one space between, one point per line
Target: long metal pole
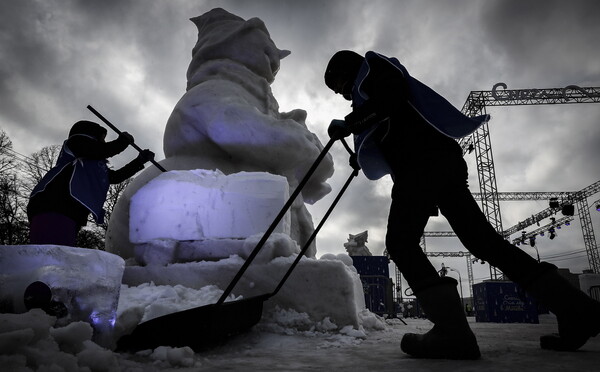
105 120
276 221
316 231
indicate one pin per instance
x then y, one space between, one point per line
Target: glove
354 162
124 136
338 129
365 117
145 156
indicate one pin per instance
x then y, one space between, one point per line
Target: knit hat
344 63
88 128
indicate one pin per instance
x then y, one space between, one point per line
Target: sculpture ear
283 53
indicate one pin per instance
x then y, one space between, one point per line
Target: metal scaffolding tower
480 142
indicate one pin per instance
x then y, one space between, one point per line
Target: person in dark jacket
77 185
403 128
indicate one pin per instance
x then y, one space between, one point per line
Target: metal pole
276 221
111 126
459 286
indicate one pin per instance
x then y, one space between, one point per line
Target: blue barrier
503 302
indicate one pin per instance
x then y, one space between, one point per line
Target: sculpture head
222 35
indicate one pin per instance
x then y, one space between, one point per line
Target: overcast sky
128 59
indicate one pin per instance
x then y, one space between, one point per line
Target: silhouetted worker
77 185
403 128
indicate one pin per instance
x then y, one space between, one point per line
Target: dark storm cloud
129 58
554 39
52 56
60 56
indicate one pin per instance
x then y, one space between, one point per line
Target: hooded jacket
431 108
77 185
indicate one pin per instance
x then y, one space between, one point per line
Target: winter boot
578 314
451 337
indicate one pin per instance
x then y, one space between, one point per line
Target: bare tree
114 193
41 162
14 228
7 161
91 237
13 222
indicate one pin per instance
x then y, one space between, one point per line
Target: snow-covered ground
504 347
286 342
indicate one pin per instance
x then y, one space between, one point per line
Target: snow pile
172 356
229 120
34 342
148 301
322 299
30 341
324 288
86 281
291 322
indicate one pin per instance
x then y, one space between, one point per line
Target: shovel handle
316 231
276 221
111 126
355 170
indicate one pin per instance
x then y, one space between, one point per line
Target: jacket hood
88 128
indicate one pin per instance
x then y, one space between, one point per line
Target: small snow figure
76 186
356 244
403 128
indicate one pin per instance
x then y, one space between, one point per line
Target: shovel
210 325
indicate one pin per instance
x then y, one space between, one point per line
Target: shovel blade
199 328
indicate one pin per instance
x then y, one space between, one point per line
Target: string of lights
529 238
582 255
22 158
559 255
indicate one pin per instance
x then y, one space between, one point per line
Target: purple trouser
53 228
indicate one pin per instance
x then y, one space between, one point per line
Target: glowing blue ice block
86 281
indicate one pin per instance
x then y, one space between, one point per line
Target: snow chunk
86 281
175 356
201 204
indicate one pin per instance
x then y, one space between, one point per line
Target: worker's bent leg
480 238
404 231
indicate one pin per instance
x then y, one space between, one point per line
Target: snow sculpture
86 281
356 244
229 120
